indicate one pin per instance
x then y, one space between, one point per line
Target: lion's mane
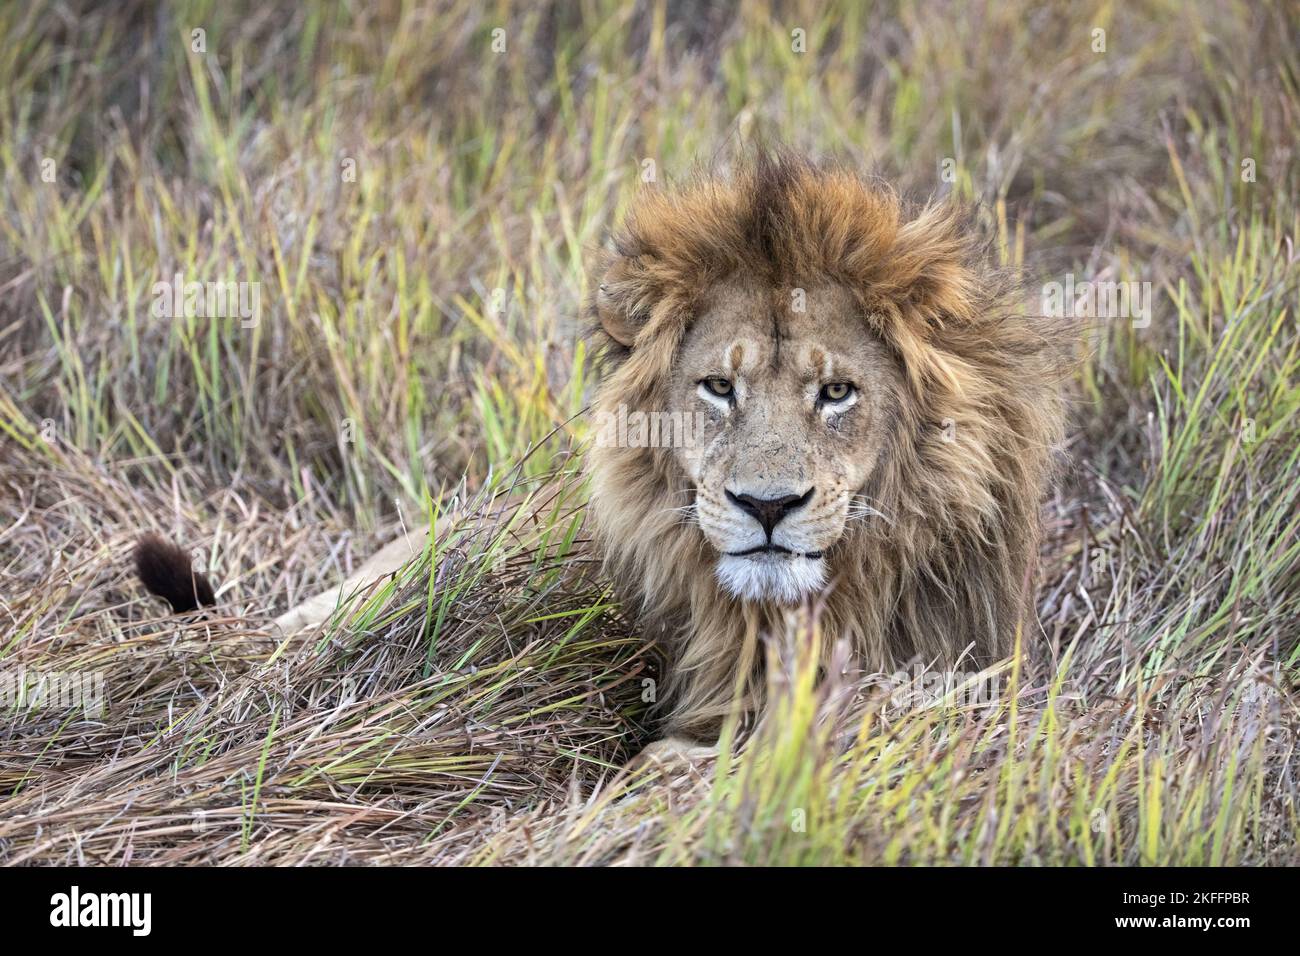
948 570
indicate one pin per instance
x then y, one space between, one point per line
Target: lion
878 416
861 415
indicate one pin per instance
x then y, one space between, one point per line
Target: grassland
415 203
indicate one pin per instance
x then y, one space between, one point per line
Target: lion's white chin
783 579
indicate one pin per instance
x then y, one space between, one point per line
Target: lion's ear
616 317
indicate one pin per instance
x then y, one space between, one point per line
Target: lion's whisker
685 511
859 510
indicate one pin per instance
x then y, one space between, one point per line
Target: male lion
865 416
878 415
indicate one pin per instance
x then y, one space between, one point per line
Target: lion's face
793 399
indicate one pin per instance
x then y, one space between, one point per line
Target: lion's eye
835 392
719 387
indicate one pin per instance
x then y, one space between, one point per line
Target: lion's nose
769 512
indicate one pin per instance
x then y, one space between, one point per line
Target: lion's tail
165 570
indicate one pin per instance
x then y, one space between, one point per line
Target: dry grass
481 708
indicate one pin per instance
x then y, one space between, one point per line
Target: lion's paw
675 754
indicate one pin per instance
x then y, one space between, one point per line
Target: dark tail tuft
165 570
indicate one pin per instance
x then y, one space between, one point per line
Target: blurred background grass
415 186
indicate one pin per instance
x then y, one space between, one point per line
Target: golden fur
966 453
